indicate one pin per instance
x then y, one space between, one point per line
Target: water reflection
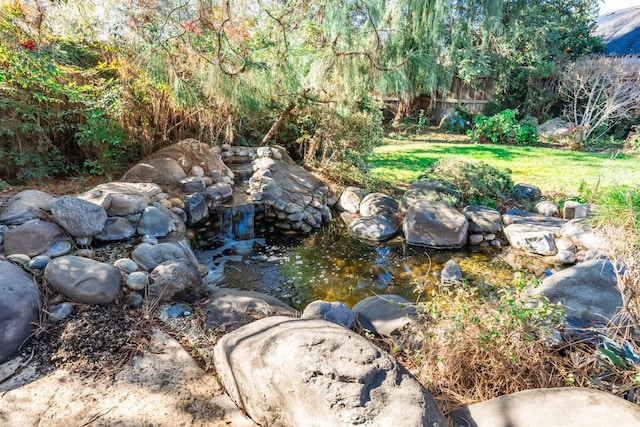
333 266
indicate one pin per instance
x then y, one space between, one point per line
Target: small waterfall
243 222
237 222
226 224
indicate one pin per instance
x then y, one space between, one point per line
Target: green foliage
618 205
477 182
59 106
458 122
503 128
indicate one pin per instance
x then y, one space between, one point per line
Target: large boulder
294 372
78 217
537 239
176 279
122 198
25 206
350 199
376 228
435 225
170 165
19 308
230 309
32 238
83 280
336 312
385 315
149 256
566 407
580 232
483 219
377 204
587 290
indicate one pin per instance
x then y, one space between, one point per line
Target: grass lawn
403 159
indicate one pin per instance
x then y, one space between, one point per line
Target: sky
612 5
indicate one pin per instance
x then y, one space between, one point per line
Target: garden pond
333 266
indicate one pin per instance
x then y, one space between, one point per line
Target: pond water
333 266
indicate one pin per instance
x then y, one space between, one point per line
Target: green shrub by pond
479 183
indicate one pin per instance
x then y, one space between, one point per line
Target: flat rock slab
164 387
231 308
587 290
552 407
385 315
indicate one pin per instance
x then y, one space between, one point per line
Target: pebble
21 259
179 310
126 264
150 240
60 311
133 299
137 280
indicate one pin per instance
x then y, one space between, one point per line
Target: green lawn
402 160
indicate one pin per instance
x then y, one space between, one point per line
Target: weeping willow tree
266 67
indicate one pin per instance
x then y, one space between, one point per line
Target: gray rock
555 129
83 280
179 310
20 259
526 192
587 290
430 190
575 210
288 372
122 198
39 262
149 256
374 228
565 244
476 239
137 280
547 208
32 238
116 228
156 221
133 299
61 311
163 171
218 192
126 264
531 238
196 208
230 309
566 257
25 206
78 216
513 216
483 219
435 225
377 204
451 273
176 279
192 184
582 234
385 315
336 312
59 248
566 407
350 199
19 308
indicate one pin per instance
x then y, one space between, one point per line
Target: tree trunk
401 112
278 124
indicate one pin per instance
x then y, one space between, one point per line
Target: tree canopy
254 70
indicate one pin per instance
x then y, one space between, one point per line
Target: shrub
477 182
503 128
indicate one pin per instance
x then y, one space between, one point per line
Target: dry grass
477 345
